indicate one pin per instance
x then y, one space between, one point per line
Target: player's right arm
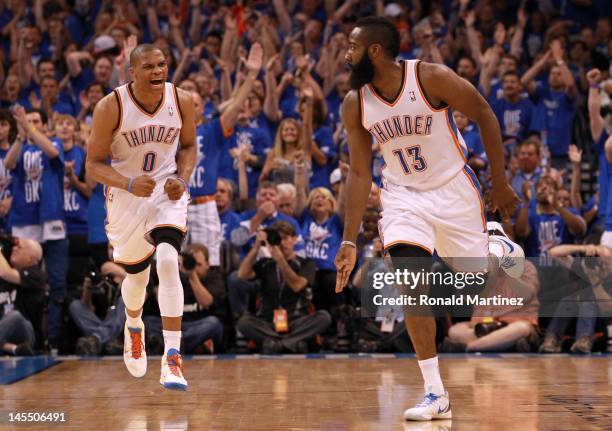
99 151
358 184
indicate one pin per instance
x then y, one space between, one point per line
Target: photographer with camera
283 321
204 303
99 334
22 286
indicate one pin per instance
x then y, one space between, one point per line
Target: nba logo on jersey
412 96
170 111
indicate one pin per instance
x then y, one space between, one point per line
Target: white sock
172 340
431 376
133 322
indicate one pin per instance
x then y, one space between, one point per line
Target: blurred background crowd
272 154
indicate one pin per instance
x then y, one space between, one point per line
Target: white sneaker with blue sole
432 407
172 371
511 255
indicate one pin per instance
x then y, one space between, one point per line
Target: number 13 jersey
146 143
421 145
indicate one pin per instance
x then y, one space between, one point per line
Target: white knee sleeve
170 293
134 289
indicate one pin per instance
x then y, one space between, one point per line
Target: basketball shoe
134 354
511 255
432 407
172 371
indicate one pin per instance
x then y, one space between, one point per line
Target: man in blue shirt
529 167
514 113
38 204
8 132
204 223
224 197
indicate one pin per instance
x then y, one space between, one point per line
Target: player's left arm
186 159
441 84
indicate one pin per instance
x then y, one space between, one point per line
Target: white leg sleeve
134 289
170 293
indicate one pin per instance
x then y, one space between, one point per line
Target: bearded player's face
362 68
151 71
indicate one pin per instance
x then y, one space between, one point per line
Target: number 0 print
148 163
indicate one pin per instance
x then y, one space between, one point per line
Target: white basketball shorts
449 219
130 219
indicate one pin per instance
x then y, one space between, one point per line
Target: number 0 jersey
421 145
146 143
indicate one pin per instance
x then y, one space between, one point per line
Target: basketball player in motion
430 197
147 130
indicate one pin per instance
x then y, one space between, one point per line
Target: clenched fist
142 186
175 188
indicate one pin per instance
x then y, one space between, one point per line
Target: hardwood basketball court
315 392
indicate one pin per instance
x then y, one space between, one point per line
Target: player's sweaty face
152 70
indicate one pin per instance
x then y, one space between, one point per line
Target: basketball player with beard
430 197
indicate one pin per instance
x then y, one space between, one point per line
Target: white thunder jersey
421 146
147 143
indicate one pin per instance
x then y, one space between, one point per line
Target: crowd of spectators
273 130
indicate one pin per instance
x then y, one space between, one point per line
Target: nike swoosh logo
444 410
508 244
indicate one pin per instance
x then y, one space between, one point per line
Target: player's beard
362 73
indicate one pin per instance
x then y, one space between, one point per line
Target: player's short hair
284 228
6 116
383 32
197 247
140 50
43 115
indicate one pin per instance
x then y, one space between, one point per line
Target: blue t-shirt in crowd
471 136
230 220
555 115
211 143
256 140
547 231
33 168
96 217
246 217
75 203
515 119
322 240
262 123
324 139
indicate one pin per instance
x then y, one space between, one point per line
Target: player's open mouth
157 81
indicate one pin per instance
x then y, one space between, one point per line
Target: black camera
273 236
7 242
189 262
482 329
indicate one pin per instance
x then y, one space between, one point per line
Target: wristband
130 183
349 243
182 181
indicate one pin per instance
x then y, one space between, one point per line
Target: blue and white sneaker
172 371
511 255
432 407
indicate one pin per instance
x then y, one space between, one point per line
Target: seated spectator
224 197
528 167
22 295
98 334
283 321
322 227
287 199
204 303
499 328
583 302
290 139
